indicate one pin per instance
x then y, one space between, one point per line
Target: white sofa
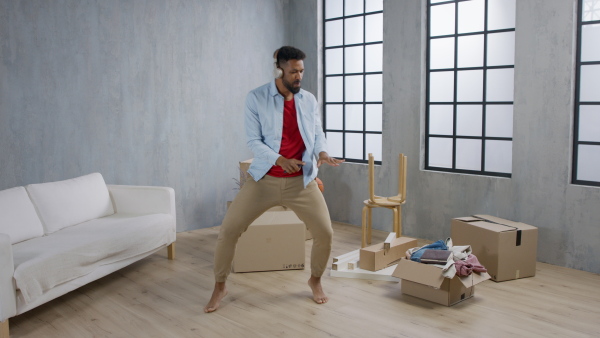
58 236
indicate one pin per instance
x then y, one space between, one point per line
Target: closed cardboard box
427 282
244 166
507 249
375 257
274 241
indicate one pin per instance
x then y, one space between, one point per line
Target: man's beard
290 87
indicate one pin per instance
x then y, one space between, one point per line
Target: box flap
419 273
508 223
277 217
468 219
474 279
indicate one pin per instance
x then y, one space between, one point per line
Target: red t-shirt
292 145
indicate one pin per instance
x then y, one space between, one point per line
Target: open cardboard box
274 241
426 281
507 249
375 257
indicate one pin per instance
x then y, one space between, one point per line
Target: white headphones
277 72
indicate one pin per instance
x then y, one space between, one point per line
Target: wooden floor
160 298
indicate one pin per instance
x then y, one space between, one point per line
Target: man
283 129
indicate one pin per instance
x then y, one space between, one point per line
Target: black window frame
578 103
364 103
454 104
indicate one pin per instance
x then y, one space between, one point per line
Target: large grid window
470 86
353 54
586 145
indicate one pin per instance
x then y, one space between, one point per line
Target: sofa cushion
65 203
18 218
43 263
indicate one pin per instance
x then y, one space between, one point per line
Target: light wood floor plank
157 297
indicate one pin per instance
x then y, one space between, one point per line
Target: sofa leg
171 251
4 329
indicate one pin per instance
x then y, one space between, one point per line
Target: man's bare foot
318 295
218 294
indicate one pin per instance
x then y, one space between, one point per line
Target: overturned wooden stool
393 203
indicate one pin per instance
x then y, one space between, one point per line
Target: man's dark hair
287 53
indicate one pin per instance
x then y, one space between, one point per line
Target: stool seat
394 202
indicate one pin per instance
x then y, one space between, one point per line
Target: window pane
589 123
374 117
374 5
335 144
501 49
334 89
354 30
468 154
468 120
498 156
335 116
354 59
354 117
354 7
588 163
354 88
354 146
442 20
440 152
590 41
374 28
441 119
590 83
470 51
334 61
590 10
471 16
501 14
374 58
499 120
441 86
333 8
374 89
374 145
500 84
333 33
469 86
441 53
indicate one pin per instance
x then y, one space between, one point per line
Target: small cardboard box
507 249
244 166
375 257
427 282
274 241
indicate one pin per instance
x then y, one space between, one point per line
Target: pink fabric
468 265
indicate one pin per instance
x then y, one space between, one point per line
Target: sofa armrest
131 199
8 296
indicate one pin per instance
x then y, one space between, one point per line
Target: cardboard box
244 166
375 257
274 241
307 234
427 282
507 249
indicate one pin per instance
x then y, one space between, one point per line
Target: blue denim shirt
264 126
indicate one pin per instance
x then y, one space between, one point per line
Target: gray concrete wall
144 92
539 192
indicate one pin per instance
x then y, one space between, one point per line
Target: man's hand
290 166
325 158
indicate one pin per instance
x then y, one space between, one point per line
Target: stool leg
399 233
364 227
396 225
369 225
